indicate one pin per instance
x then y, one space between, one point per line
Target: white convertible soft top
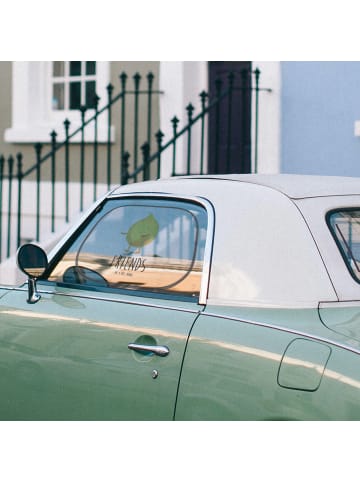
298 186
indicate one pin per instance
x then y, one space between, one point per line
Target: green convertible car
198 298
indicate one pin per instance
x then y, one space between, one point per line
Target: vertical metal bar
229 126
145 151
257 78
53 179
123 78
96 100
150 78
110 88
218 84
82 157
38 148
159 136
203 97
137 78
125 168
10 177
67 125
2 162
19 210
190 110
175 122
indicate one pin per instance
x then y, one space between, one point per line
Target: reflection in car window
153 245
345 227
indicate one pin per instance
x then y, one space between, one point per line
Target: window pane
137 245
75 68
58 97
90 94
345 227
58 69
90 68
75 95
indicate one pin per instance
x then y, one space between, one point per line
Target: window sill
26 135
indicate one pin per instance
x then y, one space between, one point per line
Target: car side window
154 245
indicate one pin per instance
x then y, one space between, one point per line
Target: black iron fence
142 161
224 94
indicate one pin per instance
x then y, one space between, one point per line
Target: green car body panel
67 358
261 365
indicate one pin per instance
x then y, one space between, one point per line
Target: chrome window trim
205 203
114 300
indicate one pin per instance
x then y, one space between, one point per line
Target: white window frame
33 118
66 80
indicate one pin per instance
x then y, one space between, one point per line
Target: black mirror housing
32 260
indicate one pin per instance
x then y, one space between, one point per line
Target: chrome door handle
155 349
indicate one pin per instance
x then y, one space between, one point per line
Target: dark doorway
230 119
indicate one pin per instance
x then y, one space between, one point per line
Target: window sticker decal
128 263
142 233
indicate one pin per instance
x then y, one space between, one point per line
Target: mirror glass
32 260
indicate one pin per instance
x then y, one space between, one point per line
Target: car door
107 338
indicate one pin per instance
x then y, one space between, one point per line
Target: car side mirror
32 261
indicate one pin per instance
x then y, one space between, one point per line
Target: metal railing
208 105
143 163
60 157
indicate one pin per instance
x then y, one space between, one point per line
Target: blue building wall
319 106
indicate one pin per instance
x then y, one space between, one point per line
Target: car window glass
345 227
154 245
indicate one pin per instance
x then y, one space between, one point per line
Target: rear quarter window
344 225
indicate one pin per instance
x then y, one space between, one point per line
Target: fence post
137 78
19 211
38 148
110 89
203 97
67 125
146 154
123 78
125 168
150 78
82 157
10 176
96 101
53 179
175 122
159 135
190 110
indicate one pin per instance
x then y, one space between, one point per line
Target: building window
44 94
73 85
